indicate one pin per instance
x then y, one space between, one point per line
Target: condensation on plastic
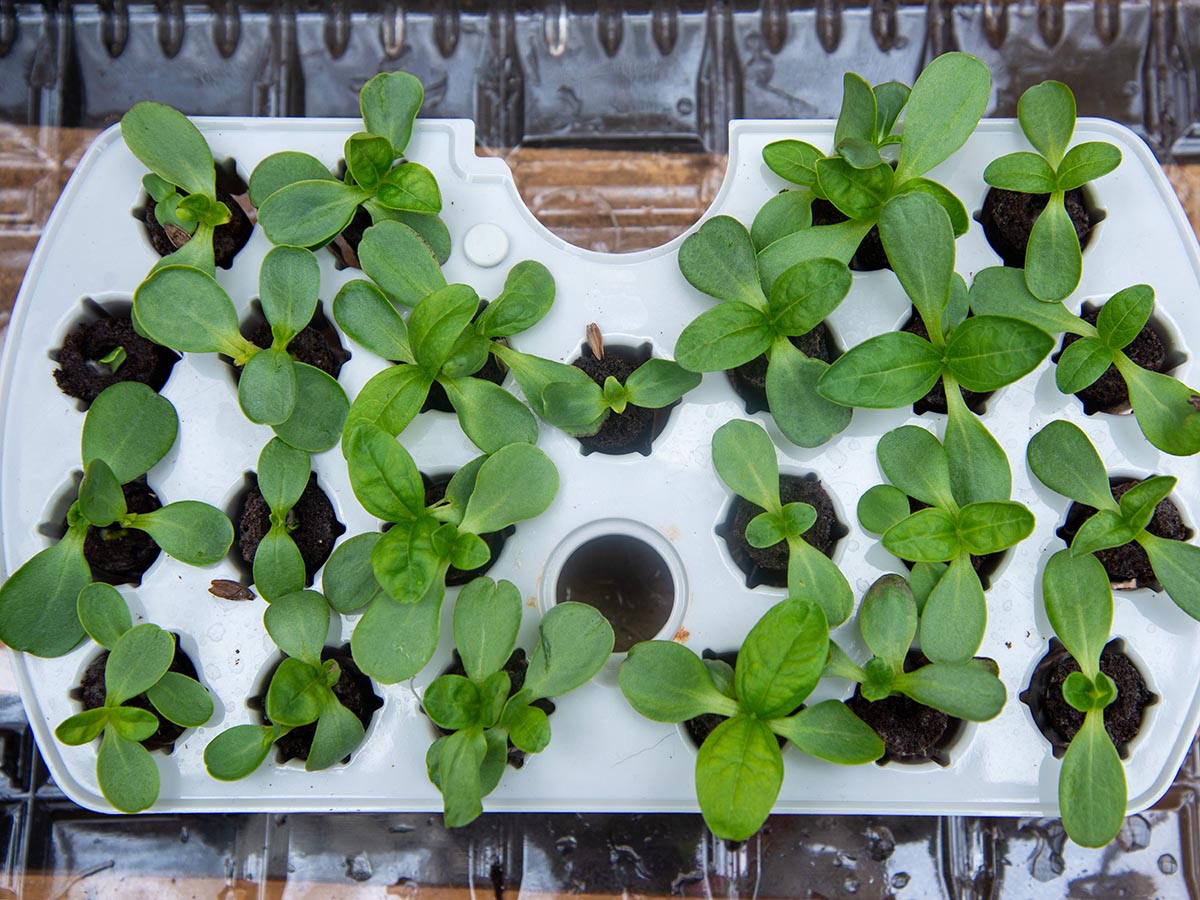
673 72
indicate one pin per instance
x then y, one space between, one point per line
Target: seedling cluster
945 508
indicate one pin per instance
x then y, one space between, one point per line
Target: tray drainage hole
627 571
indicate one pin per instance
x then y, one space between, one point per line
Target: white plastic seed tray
603 757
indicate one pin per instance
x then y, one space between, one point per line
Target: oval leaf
667 682
130 427
738 775
782 658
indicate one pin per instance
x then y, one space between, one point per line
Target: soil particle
632 430
122 555
353 690
435 490
91 694
1008 217
869 257
516 667
768 565
312 522
1128 564
911 732
1059 722
935 400
81 374
228 239
1109 393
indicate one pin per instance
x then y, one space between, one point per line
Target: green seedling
1064 460
939 115
1053 260
400 576
182 180
303 405
283 474
758 316
445 340
302 204
981 353
127 430
739 769
483 710
952 528
300 693
1091 784
888 619
582 407
1164 407
745 459
138 662
113 360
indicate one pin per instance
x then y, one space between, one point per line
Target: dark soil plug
870 256
119 555
312 524
1008 217
228 239
750 379
634 430
82 374
1109 393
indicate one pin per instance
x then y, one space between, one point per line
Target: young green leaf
461 759
371 321
516 483
1053 260
718 260
187 530
914 461
923 579
393 641
368 157
919 240
281 169
390 399
780 216
881 507
206 323
489 415
527 296
296 694
1164 408
298 623
889 370
667 682
793 161
806 293
659 382
858 193
1139 502
410 187
1064 460
888 619
986 353
574 643
890 98
805 417
1078 602
103 614
310 213
838 242
383 475
1001 291
1026 172
943 109
452 702
348 580
315 425
130 427
1177 566
236 752
1102 530
82 728
745 460
1047 115
1081 363
965 690
978 465
990 526
739 771
928 535
858 114
782 658
399 261
813 576
127 773
529 730
138 660
38 601
131 723
438 321
487 617
723 337
181 699
1125 314
960 222
338 734
287 285
955 615
268 387
389 103
830 731
170 146
283 474
1091 786
101 500
1086 162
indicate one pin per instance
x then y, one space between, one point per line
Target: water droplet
400 829
566 844
900 880
1167 864
881 843
184 836
358 868
1134 834
685 106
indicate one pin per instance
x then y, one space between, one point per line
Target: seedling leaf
103 614
1091 786
126 772
955 615
130 427
782 658
181 699
667 682
738 775
190 531
487 617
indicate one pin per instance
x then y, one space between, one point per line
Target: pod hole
101 348
1128 567
492 370
700 727
1007 218
749 380
635 429
435 490
318 344
626 579
1059 722
768 565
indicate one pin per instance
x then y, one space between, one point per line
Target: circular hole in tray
1058 722
636 429
749 380
1009 242
625 569
1155 348
103 325
768 565
435 490
228 239
354 689
89 693
515 667
314 522
1128 566
318 344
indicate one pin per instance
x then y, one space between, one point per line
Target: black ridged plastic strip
227 27
114 26
171 26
